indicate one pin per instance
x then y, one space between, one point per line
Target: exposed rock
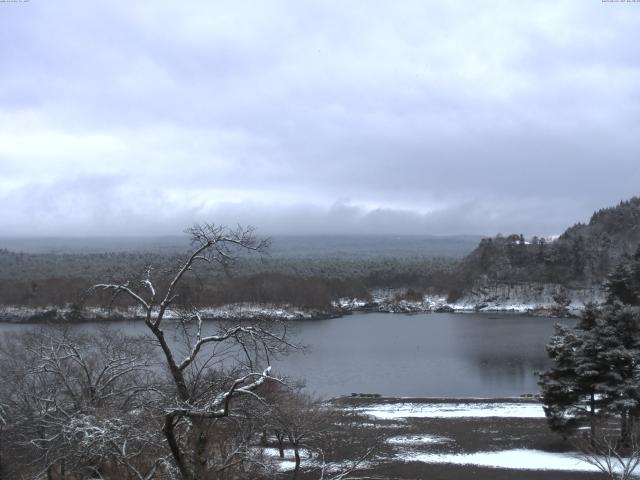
444 309
554 299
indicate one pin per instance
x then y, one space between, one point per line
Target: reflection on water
462 355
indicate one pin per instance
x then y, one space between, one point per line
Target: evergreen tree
578 257
624 283
596 371
569 388
617 350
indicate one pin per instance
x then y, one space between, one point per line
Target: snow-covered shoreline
532 299
54 314
461 409
244 312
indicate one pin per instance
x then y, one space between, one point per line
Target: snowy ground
287 463
475 439
453 438
417 440
518 459
308 460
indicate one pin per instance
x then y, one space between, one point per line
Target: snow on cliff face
526 296
506 297
391 411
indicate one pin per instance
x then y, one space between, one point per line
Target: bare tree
607 454
353 466
76 403
203 387
298 418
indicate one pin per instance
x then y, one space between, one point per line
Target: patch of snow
417 440
387 425
273 452
286 465
349 303
272 456
523 297
518 459
307 460
251 311
392 411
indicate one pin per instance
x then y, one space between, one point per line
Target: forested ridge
583 255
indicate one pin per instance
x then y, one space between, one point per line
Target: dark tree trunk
296 452
280 439
176 373
625 433
201 434
169 433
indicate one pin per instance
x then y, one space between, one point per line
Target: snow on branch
219 405
121 288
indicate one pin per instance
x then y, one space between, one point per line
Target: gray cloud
411 117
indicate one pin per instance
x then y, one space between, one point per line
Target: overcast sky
430 117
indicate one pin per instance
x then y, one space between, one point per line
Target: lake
437 354
423 355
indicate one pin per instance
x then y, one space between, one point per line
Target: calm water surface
465 355
462 355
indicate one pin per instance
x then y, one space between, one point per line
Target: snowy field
518 459
308 460
496 439
429 447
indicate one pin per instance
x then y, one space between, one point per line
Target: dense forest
583 255
37 280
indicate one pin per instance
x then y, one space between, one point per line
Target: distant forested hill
313 271
309 247
583 255
306 271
